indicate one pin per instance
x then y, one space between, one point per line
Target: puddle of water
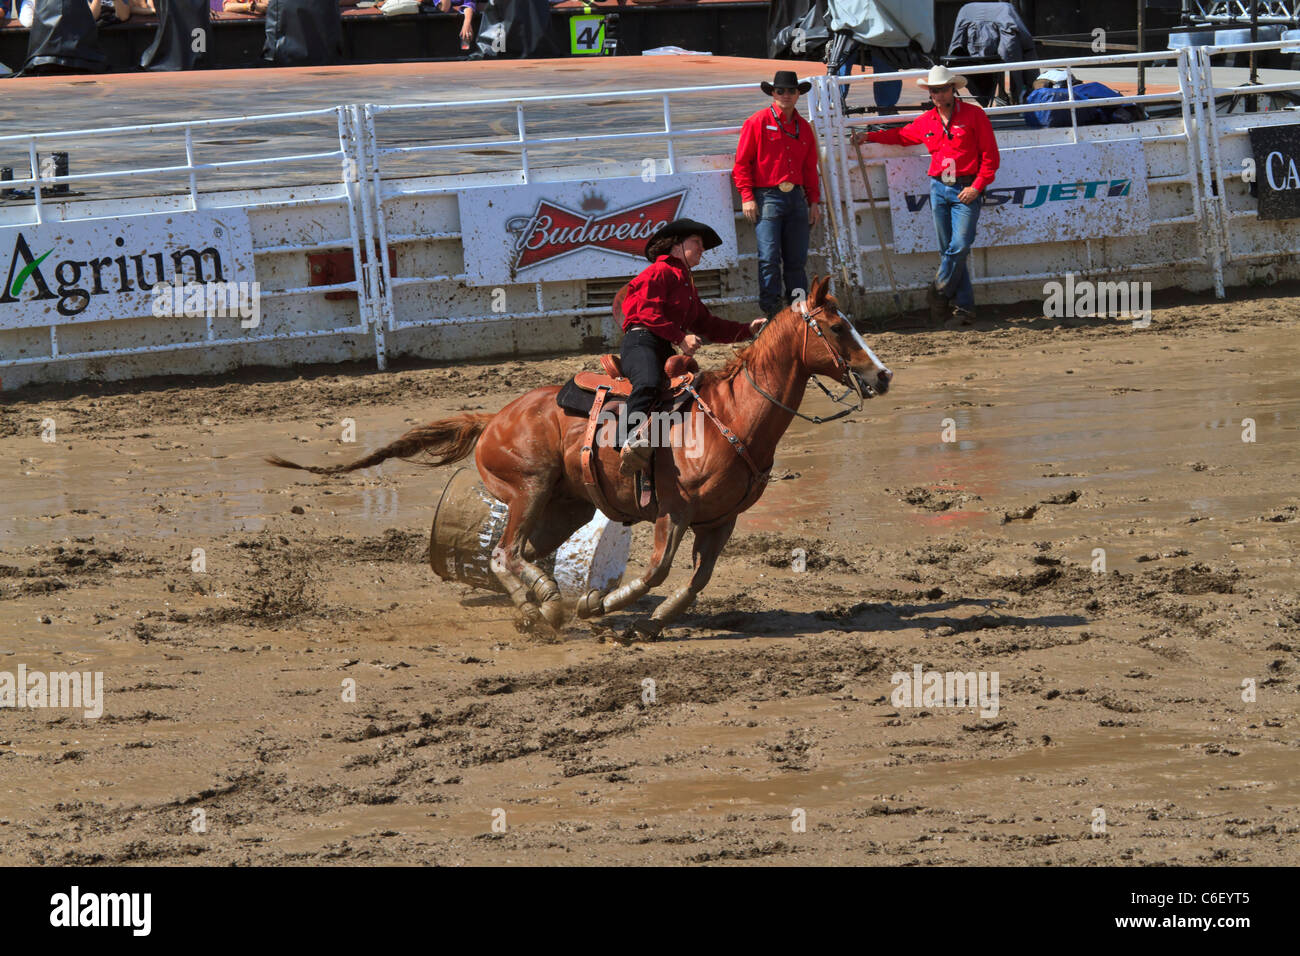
1044 434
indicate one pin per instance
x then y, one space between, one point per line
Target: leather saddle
680 371
578 395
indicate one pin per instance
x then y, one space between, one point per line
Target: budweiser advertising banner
101 269
1041 194
586 230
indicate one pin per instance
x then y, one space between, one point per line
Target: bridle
841 367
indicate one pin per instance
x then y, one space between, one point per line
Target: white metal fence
277 216
1171 150
397 195
388 201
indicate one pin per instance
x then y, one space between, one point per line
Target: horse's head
833 347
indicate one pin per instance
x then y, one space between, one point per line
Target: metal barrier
275 213
399 215
995 266
1226 191
396 191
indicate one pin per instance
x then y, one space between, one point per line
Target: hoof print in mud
642 631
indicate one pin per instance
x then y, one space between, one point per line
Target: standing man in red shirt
776 173
963 160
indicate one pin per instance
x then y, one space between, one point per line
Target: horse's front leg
669 531
705 550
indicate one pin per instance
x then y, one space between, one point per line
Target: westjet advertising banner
587 230
1040 194
104 269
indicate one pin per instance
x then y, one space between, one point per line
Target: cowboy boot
635 455
937 302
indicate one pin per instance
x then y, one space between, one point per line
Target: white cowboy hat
942 76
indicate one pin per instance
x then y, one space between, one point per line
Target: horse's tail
444 441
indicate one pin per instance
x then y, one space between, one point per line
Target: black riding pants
643 356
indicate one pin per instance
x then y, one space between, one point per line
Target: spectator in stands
255 7
463 7
963 160
119 11
466 9
776 173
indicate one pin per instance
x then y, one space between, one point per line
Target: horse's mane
728 371
715 376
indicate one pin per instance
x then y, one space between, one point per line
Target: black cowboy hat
684 229
787 79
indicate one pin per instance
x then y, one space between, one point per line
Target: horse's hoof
555 614
529 620
591 604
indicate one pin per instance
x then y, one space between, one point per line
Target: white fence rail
280 225
1170 152
414 230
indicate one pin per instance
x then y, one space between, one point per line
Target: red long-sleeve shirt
972 146
766 156
663 300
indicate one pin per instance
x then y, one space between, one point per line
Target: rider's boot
635 455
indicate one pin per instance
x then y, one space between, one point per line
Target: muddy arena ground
1120 691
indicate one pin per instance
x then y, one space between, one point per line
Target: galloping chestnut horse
529 456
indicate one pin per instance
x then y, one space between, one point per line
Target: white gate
264 233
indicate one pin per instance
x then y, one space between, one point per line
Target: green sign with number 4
586 36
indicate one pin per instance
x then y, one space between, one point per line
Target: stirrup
645 489
634 458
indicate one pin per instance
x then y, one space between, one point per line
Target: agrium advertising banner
98 270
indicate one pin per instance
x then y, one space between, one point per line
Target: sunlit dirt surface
1121 732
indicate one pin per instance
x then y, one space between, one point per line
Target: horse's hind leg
705 550
524 581
556 526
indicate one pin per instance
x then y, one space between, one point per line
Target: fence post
1205 133
385 304
369 281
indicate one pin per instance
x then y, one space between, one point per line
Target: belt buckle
785 187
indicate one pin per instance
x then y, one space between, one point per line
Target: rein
841 366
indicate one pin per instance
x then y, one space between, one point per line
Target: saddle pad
578 401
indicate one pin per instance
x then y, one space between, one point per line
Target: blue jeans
954 223
885 93
782 231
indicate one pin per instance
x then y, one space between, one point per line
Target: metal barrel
468 524
466 527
